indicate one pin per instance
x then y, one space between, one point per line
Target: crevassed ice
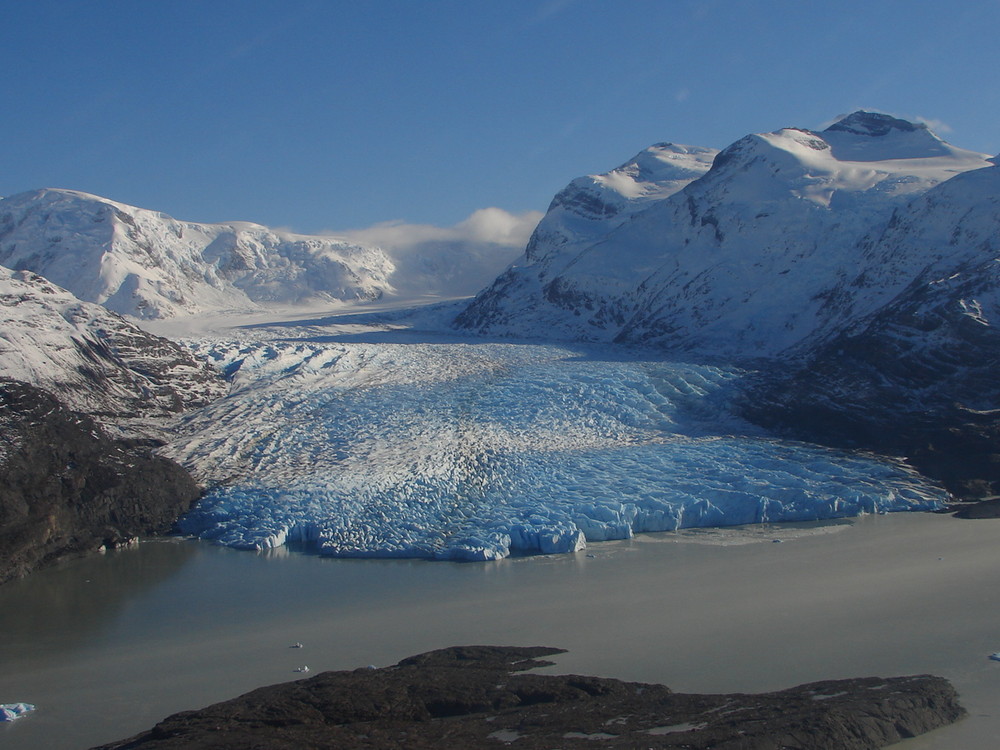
471 451
13 711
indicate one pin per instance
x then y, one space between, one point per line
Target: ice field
474 451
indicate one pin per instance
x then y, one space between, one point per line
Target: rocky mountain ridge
67 486
93 359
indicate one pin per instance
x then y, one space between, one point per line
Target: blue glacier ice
463 451
12 711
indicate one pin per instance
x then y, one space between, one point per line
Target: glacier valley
398 444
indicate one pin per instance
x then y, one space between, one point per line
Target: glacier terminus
470 450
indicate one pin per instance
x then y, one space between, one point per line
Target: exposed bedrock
66 486
891 389
480 696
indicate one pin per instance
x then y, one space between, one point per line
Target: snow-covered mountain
590 206
84 399
146 264
916 370
748 259
93 360
524 298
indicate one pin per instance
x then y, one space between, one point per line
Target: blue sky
339 115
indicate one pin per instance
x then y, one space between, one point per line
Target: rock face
146 264
94 360
479 696
66 486
915 373
83 395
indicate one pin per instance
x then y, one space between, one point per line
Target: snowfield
467 450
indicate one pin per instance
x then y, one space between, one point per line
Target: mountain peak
873 124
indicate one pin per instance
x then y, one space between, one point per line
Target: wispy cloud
548 9
487 225
938 126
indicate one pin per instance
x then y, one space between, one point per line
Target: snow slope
739 262
92 359
940 251
916 371
580 215
148 265
474 450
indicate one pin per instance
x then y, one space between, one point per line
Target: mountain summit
741 261
873 124
884 137
149 265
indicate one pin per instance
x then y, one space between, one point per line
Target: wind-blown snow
472 451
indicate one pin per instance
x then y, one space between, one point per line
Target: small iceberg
11 711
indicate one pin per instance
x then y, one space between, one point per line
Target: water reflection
88 592
106 647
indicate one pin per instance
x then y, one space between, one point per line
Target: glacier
456 449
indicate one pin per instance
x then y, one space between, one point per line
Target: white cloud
487 225
449 262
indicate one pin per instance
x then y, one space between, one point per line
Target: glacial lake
107 645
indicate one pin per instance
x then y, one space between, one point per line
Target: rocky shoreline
68 487
484 696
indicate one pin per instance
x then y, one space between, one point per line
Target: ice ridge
475 452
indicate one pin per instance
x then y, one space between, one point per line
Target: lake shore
107 646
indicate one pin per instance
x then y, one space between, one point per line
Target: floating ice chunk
12 711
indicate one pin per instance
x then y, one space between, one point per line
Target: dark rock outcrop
918 379
479 696
66 486
915 374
